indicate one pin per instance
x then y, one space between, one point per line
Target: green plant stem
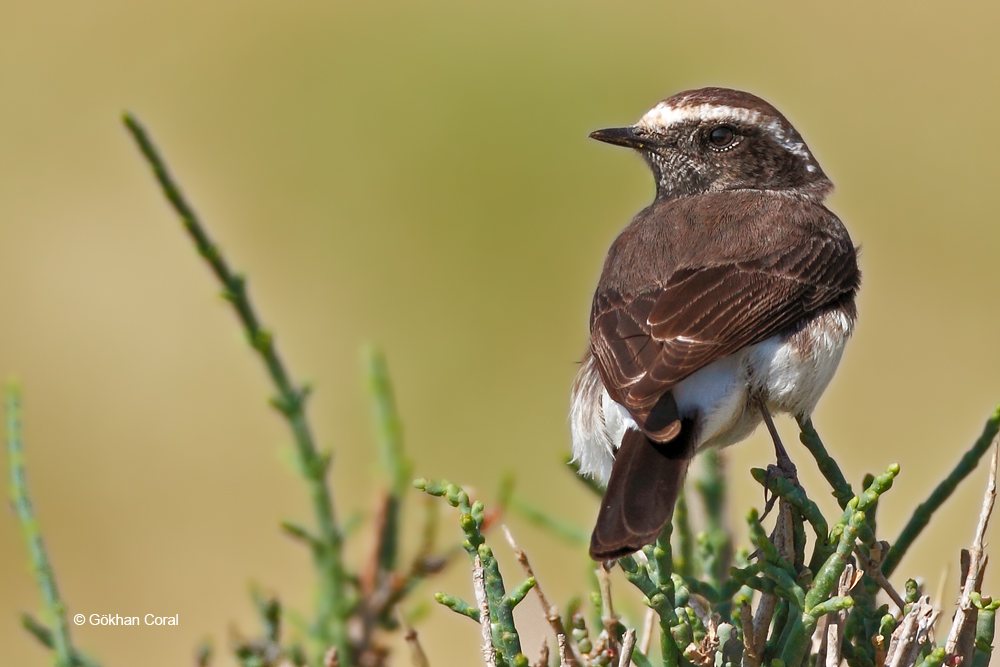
831 471
458 605
717 553
684 558
655 580
44 637
933 659
332 608
505 637
54 607
922 516
389 431
388 424
985 632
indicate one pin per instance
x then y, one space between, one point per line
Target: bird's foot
784 468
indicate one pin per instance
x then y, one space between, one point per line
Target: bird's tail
645 482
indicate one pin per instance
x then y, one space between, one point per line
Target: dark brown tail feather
643 488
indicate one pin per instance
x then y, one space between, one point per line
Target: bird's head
714 139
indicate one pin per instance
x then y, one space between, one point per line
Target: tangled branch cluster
773 607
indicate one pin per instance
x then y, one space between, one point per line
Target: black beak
620 136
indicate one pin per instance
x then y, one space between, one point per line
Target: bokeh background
418 174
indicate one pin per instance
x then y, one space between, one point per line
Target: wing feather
647 342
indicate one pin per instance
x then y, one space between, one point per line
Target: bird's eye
722 136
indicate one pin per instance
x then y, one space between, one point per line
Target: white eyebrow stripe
662 116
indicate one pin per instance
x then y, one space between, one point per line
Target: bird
725 302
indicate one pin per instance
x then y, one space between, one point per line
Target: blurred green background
418 174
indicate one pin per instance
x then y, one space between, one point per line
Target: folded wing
646 343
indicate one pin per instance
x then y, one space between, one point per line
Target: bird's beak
620 136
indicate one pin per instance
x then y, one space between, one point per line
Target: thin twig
417 656
608 618
543 654
902 637
389 431
290 401
911 634
872 568
966 614
647 631
567 656
782 539
479 585
922 516
379 580
628 645
55 608
751 657
374 582
835 622
762 622
832 645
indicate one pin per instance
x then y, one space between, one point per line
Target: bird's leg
785 467
784 463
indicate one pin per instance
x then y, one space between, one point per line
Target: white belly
789 372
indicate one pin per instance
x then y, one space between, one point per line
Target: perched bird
728 299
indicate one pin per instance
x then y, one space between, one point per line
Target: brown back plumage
696 279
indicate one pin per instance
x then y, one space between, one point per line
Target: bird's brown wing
645 343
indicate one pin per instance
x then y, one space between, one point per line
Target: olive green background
418 174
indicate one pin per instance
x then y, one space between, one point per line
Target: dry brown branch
960 638
762 622
878 641
417 656
543 654
628 645
901 638
832 645
817 643
703 653
925 627
608 618
648 626
872 566
783 539
911 634
750 655
479 585
372 575
567 656
833 633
